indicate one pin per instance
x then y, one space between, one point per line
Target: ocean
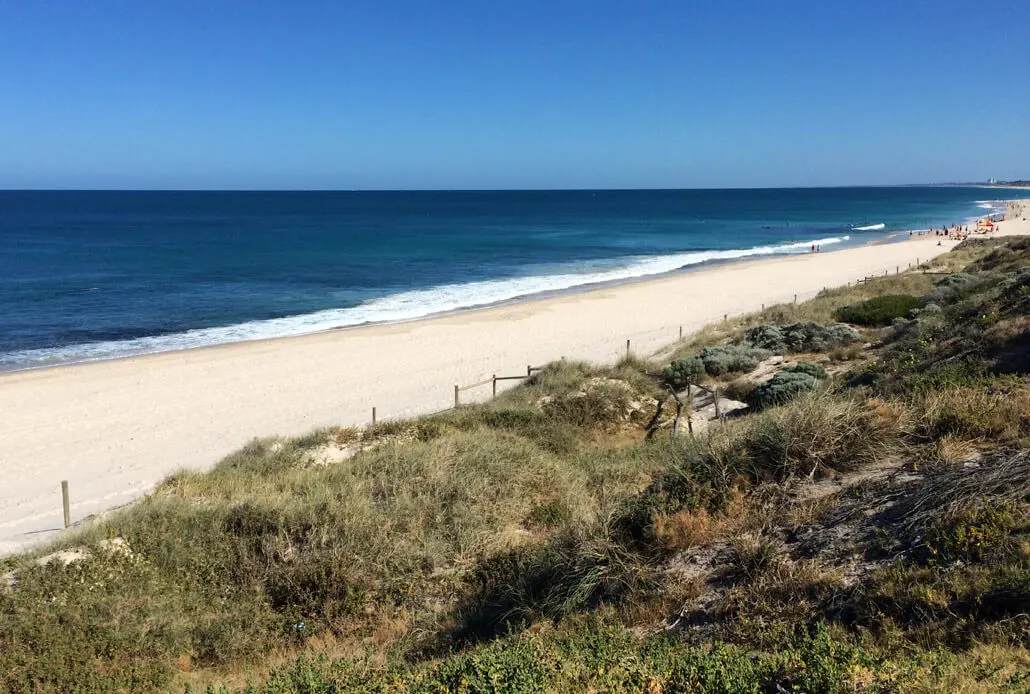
88 275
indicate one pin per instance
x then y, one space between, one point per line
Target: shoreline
890 237
115 428
845 240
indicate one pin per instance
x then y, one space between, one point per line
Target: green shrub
807 367
781 388
878 311
801 337
731 359
682 372
949 288
597 655
978 534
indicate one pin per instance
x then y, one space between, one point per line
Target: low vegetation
787 384
878 311
862 526
801 337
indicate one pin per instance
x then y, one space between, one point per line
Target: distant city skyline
459 96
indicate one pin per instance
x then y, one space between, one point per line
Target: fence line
530 370
492 381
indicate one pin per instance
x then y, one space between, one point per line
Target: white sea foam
402 306
871 227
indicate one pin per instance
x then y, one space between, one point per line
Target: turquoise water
93 275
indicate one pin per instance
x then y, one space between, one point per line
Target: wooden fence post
495 384
795 298
373 416
66 504
627 348
715 399
456 403
681 332
690 410
529 370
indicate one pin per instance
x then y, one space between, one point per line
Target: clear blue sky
511 94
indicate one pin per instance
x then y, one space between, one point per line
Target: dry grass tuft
699 526
974 414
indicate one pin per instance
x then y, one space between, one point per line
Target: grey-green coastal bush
950 288
731 359
807 367
682 372
794 380
801 337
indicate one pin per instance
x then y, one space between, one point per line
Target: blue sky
491 94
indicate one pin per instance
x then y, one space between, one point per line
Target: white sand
114 429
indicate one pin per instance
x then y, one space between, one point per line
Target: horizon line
73 189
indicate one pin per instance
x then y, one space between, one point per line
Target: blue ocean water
101 274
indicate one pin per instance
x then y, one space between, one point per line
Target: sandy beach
114 429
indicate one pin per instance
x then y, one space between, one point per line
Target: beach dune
114 429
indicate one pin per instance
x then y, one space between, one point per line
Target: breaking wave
402 306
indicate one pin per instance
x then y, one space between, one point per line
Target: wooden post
897 269
495 384
373 416
763 307
715 399
725 317
681 332
627 348
529 370
67 505
690 410
456 402
795 298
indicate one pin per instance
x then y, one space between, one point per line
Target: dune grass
530 543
